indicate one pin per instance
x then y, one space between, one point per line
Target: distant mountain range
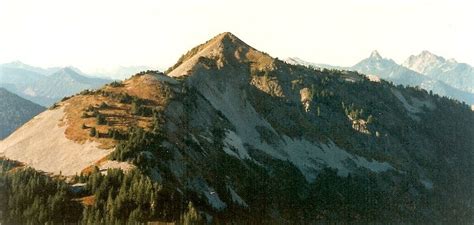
298 61
426 70
45 86
120 72
449 71
15 111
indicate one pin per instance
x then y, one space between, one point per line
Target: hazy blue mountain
430 72
120 72
298 61
45 86
449 71
389 70
443 89
22 66
12 75
15 111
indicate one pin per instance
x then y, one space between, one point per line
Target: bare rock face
41 143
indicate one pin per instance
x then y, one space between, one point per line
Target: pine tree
93 132
101 119
103 105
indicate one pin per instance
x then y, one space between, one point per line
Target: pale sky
92 34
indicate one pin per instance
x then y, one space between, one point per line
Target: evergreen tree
101 119
93 132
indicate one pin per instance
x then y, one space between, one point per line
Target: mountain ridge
224 46
45 86
241 137
405 74
15 111
449 71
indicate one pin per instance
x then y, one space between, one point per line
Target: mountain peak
224 35
423 62
68 70
17 62
375 55
223 48
70 74
427 55
226 42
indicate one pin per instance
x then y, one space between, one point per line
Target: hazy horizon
103 35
